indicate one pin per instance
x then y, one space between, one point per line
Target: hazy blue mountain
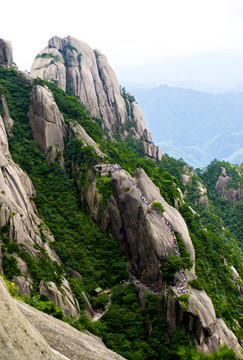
196 126
214 72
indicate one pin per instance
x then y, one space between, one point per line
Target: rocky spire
86 73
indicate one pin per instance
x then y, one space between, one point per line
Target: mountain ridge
209 124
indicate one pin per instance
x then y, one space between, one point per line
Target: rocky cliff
145 237
22 226
85 73
197 317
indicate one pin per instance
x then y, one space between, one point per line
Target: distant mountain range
196 126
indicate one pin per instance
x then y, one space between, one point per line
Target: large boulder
6 56
86 73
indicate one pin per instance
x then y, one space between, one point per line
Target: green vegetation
79 56
105 189
80 244
71 47
137 334
196 284
170 267
185 256
47 55
158 207
10 267
46 306
100 301
184 299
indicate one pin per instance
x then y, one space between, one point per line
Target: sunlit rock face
81 71
46 121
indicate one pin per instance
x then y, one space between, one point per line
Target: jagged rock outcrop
46 121
232 195
6 57
84 72
197 317
19 214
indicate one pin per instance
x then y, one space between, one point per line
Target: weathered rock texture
67 302
198 319
84 72
18 211
142 235
18 338
231 194
46 121
65 339
6 57
8 121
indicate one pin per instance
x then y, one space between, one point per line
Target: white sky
128 32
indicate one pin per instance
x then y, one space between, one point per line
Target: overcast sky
129 32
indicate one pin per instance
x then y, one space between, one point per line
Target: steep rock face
68 341
84 72
142 234
6 57
8 121
232 195
18 338
67 303
198 319
46 121
19 213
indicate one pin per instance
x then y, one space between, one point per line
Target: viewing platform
106 169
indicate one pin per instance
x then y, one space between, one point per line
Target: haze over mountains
196 126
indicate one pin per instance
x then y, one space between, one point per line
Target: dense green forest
215 231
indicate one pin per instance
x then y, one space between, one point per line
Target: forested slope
133 331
